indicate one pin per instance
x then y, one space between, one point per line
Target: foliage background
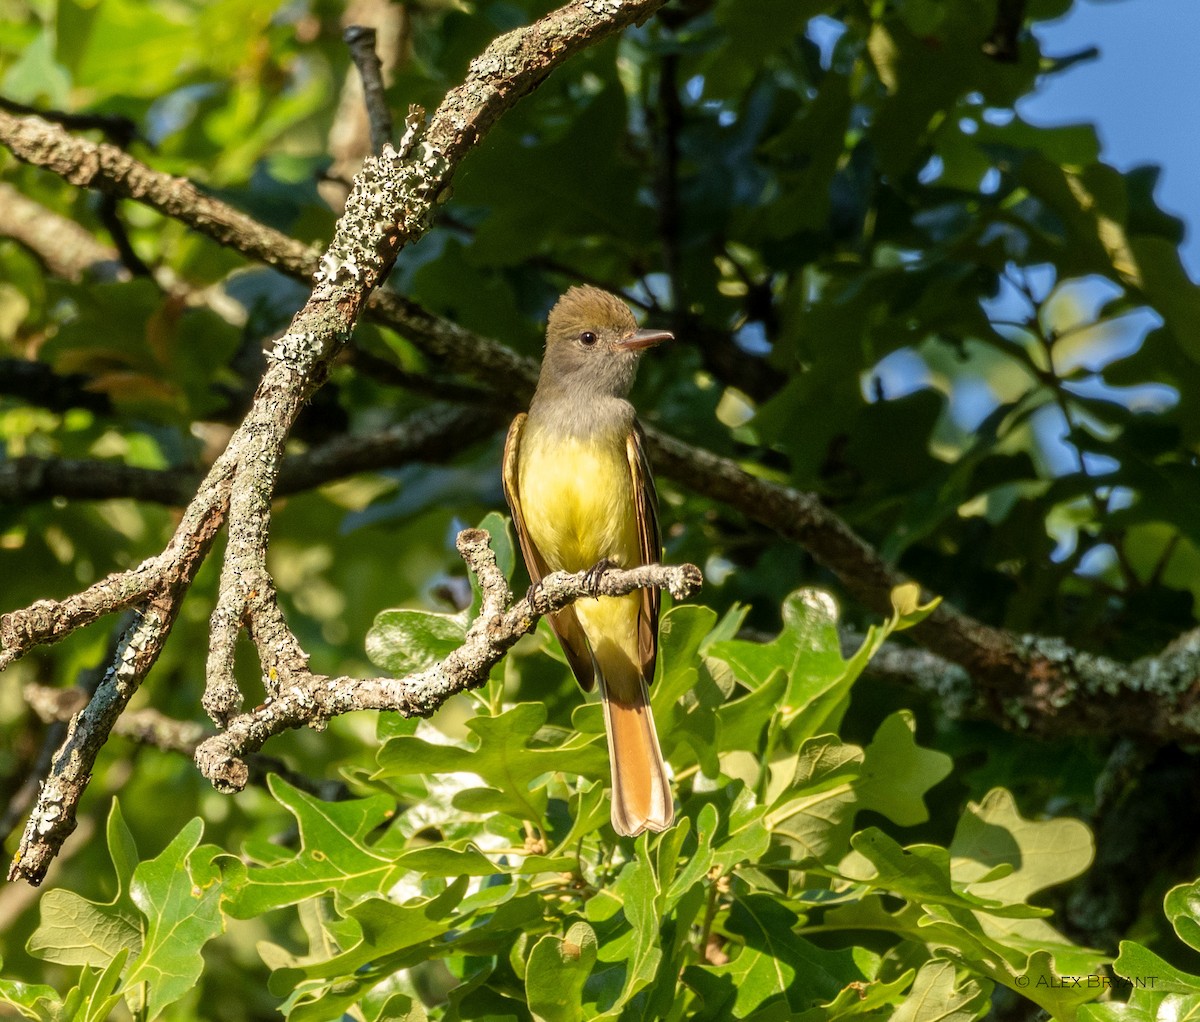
972 338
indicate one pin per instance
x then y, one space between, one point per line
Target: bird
578 484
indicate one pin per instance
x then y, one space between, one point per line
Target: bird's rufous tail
641 792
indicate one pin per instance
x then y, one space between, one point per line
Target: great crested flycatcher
580 490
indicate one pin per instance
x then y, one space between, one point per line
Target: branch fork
390 206
305 699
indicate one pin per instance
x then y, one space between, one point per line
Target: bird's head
593 343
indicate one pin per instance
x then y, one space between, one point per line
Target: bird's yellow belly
578 502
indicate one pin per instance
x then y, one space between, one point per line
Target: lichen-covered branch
148 726
314 699
392 201
390 205
153 591
53 817
168 574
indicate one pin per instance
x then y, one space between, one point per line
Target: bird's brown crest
584 307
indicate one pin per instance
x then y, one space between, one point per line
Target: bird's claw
536 589
595 573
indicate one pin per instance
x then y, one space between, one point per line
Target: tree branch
70 252
433 435
1032 683
150 727
361 41
1028 686
53 817
62 246
391 203
313 699
118 128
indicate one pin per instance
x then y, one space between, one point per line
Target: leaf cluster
480 879
968 334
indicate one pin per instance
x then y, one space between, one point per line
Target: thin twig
117 128
110 218
361 41
62 246
69 251
1004 41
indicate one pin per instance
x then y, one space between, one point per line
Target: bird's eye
588 338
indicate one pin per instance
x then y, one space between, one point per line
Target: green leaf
907 608
505 756
772 964
32 1000
404 642
808 652
815 808
1182 906
1142 1006
557 970
1047 985
568 204
499 527
1166 281
743 721
920 873
681 634
1139 965
379 931
397 1008
937 995
808 640
896 772
1041 853
447 861
97 993
865 1000
699 861
744 836
379 938
76 931
121 847
682 686
638 892
179 892
333 854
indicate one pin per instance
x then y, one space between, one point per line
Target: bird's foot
596 573
536 591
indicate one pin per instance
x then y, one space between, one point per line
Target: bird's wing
564 623
645 502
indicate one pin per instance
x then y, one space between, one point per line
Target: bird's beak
644 339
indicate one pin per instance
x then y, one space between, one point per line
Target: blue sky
1143 93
